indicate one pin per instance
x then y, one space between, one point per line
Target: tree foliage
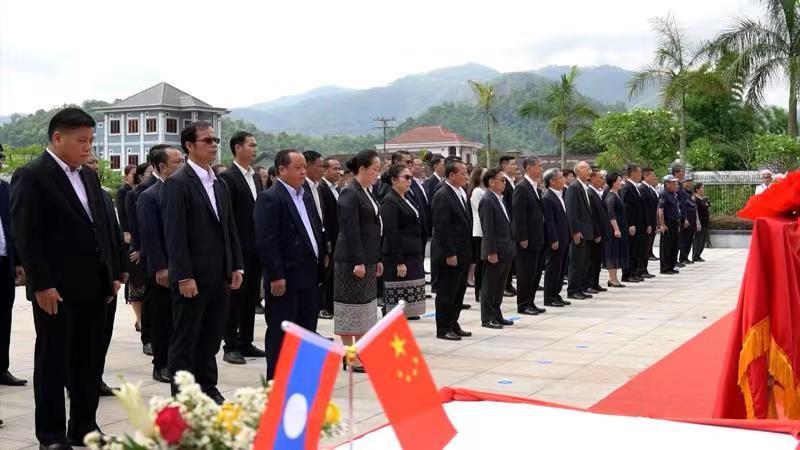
642 136
777 152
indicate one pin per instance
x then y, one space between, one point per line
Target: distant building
549 161
436 140
154 116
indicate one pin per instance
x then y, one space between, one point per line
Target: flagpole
350 355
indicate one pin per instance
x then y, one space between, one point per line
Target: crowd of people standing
196 247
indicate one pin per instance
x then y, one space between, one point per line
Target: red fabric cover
781 199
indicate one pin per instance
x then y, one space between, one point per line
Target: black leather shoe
147 349
510 291
618 285
462 333
588 292
630 280
214 394
251 351
10 380
554 303
412 317
233 358
493 324
541 310
259 310
540 288
653 258
466 306
647 275
105 390
686 261
564 302
55 447
599 288
449 336
161 375
680 264
506 322
638 279
699 260
529 311
323 314
669 272
577 296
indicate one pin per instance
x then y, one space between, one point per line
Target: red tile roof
425 135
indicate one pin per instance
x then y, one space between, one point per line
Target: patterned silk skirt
410 288
355 303
137 283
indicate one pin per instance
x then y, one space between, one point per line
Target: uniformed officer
679 172
689 210
669 217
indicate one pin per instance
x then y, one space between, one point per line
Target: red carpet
682 384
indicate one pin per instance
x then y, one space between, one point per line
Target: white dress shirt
500 199
560 196
535 186
460 193
586 192
414 208
761 188
74 177
509 179
207 179
374 206
3 246
475 201
422 188
248 173
315 195
333 188
300 206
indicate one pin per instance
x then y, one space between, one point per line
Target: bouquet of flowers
191 420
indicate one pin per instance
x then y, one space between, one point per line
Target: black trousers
300 304
111 314
511 272
6 307
495 276
642 253
554 271
595 260
668 246
241 309
451 285
686 239
68 352
327 286
578 266
529 265
161 324
633 256
652 243
198 324
698 245
479 266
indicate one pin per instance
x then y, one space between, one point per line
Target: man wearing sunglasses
205 258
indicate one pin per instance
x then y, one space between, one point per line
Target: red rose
170 424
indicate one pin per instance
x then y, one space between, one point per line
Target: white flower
130 396
184 378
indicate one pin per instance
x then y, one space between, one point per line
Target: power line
385 121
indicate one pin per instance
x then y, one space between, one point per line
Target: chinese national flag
404 385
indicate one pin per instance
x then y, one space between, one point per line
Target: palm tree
563 107
768 52
670 70
485 96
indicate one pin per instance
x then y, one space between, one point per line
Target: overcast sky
235 53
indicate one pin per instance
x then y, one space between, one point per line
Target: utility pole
385 126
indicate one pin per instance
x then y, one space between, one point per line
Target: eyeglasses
209 140
406 177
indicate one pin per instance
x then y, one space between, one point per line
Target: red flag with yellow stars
404 385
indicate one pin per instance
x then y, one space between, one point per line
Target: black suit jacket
508 198
359 240
497 235
120 263
651 206
528 223
59 244
452 226
130 211
556 222
242 204
634 207
432 185
600 215
403 231
283 244
579 211
5 216
199 245
122 193
417 195
151 228
330 214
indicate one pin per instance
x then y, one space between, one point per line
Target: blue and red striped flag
304 379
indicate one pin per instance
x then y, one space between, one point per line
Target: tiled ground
575 355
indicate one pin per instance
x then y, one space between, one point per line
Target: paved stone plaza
574 355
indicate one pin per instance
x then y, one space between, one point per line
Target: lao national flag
304 378
404 385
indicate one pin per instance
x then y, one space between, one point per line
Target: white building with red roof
436 140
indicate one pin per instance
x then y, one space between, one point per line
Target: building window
115 161
133 126
172 125
451 151
133 160
151 125
113 126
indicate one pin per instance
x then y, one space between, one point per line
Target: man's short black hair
327 162
238 139
647 170
436 159
69 119
489 175
158 155
397 157
311 156
632 168
505 159
451 165
189 133
284 157
676 168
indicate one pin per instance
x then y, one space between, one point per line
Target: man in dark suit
557 229
11 274
311 188
497 249
648 189
434 182
205 258
582 231
420 196
637 226
66 244
509 168
244 186
451 249
166 161
290 244
128 174
601 224
329 194
529 235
